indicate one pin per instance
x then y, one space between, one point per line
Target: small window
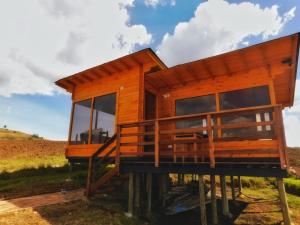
243 98
202 104
81 122
104 113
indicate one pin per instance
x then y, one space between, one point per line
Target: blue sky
70 36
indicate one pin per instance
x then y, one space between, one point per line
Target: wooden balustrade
212 136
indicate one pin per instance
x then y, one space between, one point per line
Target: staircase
96 164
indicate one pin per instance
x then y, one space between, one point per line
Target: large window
202 104
81 122
104 112
245 98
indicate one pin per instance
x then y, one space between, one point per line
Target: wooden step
105 178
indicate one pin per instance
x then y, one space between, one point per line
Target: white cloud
154 3
44 40
219 26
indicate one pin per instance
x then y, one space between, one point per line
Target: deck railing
255 132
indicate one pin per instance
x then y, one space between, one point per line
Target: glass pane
103 125
245 98
81 122
202 104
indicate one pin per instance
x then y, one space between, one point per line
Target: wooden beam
137 191
177 76
105 70
243 59
207 69
135 60
149 193
156 136
202 201
124 64
214 210
130 194
232 189
86 77
226 66
225 206
283 202
191 71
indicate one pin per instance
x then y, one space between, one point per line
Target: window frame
91 116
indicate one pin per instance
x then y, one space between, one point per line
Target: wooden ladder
94 182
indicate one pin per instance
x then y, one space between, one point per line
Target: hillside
7 134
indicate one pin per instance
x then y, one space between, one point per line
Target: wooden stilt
137 191
70 170
240 184
225 207
130 194
202 201
149 193
165 189
283 202
232 189
214 210
182 179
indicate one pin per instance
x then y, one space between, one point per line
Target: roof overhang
107 69
279 56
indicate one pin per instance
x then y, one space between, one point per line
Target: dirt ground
30 148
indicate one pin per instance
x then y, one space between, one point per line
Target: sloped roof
106 69
280 56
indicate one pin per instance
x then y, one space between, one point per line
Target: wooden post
156 147
165 188
232 189
130 194
225 207
283 202
211 142
137 191
89 177
70 169
149 193
240 184
202 201
214 210
118 140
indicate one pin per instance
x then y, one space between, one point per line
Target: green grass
292 185
6 134
14 164
28 182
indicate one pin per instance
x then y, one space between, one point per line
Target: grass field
6 134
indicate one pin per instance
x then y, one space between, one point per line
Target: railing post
279 135
118 140
156 143
211 142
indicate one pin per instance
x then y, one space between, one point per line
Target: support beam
149 193
165 177
130 195
283 202
225 207
214 209
137 192
232 189
240 184
202 201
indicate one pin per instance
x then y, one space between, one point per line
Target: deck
253 148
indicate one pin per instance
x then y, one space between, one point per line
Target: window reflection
103 125
202 104
81 122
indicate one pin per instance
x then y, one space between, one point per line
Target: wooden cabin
220 115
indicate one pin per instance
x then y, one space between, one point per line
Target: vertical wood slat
219 131
284 140
156 143
118 140
211 143
71 123
283 202
279 136
91 121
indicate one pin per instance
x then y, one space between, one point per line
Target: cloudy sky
44 40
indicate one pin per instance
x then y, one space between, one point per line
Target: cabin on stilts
220 115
